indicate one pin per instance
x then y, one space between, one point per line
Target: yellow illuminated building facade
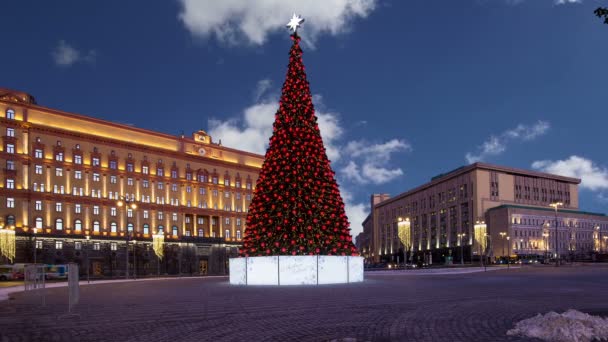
63 175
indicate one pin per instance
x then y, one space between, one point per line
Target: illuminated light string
7 243
296 208
158 241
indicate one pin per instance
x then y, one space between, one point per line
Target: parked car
6 272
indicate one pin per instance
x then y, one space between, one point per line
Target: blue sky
404 90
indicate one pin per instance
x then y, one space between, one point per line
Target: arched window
113 227
174 230
227 235
10 220
95 226
129 227
38 222
10 114
59 224
161 229
201 233
77 225
146 228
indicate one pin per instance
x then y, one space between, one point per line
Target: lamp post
555 205
134 259
460 236
35 230
598 239
509 249
88 263
502 236
480 238
128 204
546 236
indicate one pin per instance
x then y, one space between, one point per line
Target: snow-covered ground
570 326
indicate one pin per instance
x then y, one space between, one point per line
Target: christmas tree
296 207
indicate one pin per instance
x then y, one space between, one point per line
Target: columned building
66 178
484 210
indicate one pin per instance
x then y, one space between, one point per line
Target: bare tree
602 12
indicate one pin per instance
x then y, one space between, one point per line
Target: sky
404 90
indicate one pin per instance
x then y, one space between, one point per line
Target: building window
113 227
145 170
173 173
238 221
38 205
10 148
146 228
96 246
95 177
59 224
214 193
38 153
38 169
10 183
201 233
130 181
174 215
130 167
95 210
77 174
77 245
238 234
59 156
113 246
160 185
160 215
95 161
161 229
58 244
58 172
113 179
146 214
160 172
58 207
129 227
227 233
77 208
173 187
78 225
39 222
145 183
174 230
112 211
77 159
201 220
214 180
113 164
129 212
248 197
238 195
38 244
227 220
201 191
10 132
10 114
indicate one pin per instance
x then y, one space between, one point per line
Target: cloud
356 212
261 89
231 21
496 145
252 131
593 177
369 162
66 55
557 2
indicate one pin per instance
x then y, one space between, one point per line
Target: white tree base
296 270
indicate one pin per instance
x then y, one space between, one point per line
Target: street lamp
555 205
509 249
404 234
35 230
460 236
134 259
480 238
127 203
546 236
503 235
88 263
598 238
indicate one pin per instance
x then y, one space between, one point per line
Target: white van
6 272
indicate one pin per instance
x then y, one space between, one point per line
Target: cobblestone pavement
457 307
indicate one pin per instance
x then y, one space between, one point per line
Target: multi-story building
484 210
65 177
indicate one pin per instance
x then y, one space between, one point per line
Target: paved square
386 307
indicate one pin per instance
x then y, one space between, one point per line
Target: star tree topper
295 22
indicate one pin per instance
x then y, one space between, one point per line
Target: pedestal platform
296 270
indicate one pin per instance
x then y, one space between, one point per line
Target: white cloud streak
66 55
231 21
369 162
593 177
497 144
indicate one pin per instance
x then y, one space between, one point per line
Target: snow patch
570 326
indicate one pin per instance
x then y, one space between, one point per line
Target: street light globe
133 206
119 203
